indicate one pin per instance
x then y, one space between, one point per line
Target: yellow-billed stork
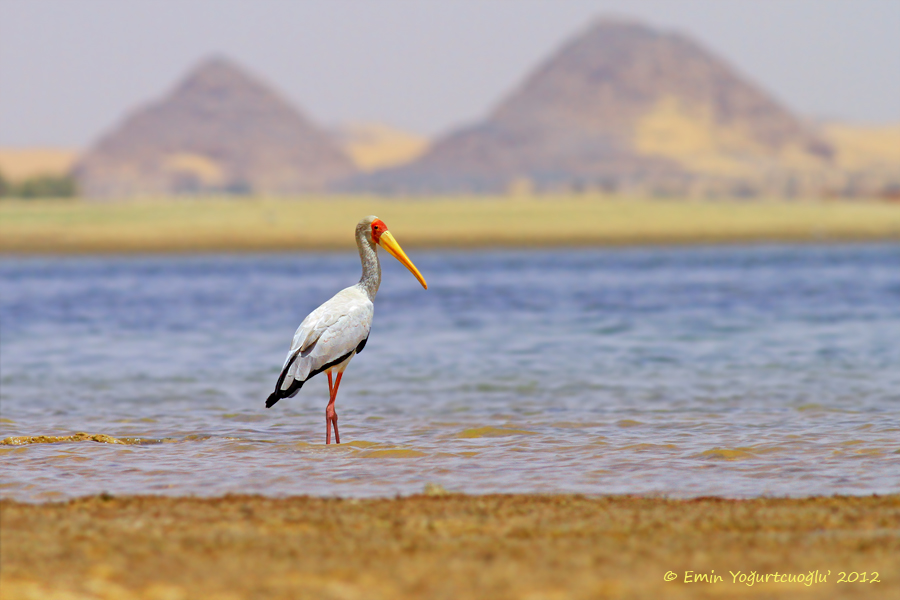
329 338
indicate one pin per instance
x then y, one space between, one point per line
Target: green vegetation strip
326 223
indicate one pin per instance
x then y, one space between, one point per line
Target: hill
623 107
220 131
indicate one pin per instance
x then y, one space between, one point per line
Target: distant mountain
220 131
622 107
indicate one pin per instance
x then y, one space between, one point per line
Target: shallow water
736 371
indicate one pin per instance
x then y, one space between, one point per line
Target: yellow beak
391 245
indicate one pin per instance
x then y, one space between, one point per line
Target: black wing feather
295 386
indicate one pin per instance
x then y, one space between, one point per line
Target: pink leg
331 417
330 402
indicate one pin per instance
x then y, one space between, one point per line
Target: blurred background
115 100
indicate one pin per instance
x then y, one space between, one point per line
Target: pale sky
71 69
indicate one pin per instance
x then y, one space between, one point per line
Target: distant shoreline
326 223
446 546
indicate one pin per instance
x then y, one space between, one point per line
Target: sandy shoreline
445 546
262 225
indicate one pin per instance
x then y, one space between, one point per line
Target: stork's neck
371 268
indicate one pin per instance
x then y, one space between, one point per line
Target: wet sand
326 223
447 546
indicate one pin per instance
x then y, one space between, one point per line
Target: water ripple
732 371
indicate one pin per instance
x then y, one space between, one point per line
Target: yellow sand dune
862 147
374 146
17 164
692 138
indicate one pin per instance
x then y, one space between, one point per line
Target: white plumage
330 336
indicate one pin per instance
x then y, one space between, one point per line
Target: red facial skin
378 227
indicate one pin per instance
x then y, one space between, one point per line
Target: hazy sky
70 69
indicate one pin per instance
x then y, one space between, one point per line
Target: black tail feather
279 393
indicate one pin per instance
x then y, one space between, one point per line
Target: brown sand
326 223
445 546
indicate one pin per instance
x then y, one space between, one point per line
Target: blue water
735 371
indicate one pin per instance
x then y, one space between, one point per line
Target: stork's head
377 231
